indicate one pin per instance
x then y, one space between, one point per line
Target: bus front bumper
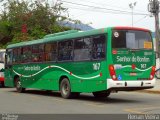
130 85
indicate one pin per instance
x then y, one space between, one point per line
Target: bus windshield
2 58
131 39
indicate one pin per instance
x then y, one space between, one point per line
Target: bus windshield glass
131 39
2 58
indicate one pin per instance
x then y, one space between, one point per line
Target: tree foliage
39 19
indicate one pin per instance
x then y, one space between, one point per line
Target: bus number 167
143 66
96 66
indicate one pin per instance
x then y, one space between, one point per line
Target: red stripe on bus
130 28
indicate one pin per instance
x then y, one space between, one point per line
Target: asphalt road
41 102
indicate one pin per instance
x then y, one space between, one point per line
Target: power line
96 7
102 4
93 10
140 19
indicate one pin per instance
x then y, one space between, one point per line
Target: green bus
98 61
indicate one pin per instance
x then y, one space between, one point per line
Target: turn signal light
112 72
152 72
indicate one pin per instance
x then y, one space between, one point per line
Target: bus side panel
8 78
83 76
90 76
39 76
88 85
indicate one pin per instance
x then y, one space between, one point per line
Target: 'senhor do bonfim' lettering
132 59
143 59
123 59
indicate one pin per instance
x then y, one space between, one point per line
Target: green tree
38 18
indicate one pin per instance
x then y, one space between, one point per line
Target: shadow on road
111 99
1 87
83 97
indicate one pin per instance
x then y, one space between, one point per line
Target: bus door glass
8 64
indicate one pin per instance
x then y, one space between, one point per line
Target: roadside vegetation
21 20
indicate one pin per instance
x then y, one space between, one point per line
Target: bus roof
60 36
71 34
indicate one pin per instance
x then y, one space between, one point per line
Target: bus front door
8 69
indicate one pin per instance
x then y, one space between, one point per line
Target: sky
106 13
109 13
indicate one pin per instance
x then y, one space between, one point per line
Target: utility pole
132 5
153 7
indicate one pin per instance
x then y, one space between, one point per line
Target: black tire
65 89
2 84
48 91
103 94
157 73
18 86
75 94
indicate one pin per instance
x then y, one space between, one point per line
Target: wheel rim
18 84
65 89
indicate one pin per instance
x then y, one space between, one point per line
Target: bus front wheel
102 94
18 86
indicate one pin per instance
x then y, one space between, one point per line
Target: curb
150 91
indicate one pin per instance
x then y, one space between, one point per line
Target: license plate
133 74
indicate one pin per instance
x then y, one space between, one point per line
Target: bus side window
15 55
82 49
26 54
65 50
38 53
41 53
98 49
35 51
51 51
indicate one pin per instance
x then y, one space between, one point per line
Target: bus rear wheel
18 86
102 94
2 84
65 89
